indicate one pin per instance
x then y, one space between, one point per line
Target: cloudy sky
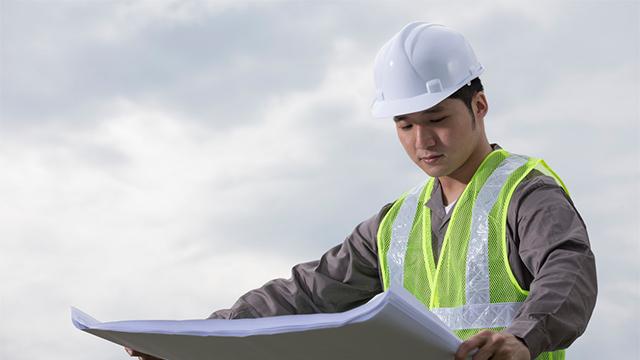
159 158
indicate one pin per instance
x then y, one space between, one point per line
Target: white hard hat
419 67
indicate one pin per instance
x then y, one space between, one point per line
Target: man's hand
495 346
140 355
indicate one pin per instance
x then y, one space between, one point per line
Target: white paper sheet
391 325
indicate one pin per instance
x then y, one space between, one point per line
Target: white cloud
116 200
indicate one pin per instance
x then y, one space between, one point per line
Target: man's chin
434 171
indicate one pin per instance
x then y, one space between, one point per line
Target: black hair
466 92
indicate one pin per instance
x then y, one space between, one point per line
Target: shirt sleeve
554 247
344 277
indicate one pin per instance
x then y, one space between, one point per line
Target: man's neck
454 184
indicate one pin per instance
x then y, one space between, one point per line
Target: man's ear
479 105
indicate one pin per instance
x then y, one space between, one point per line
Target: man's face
441 139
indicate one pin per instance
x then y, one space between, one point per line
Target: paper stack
392 325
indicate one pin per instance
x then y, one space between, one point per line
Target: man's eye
406 127
438 120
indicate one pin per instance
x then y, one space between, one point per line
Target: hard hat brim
390 108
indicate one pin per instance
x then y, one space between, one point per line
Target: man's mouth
430 159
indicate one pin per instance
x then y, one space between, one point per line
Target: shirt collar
435 202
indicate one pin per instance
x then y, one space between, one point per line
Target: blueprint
392 324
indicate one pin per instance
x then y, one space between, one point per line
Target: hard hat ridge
419 67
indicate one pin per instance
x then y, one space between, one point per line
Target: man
491 243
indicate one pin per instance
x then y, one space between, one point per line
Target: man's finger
131 352
474 342
141 356
487 351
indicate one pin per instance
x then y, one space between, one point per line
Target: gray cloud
211 68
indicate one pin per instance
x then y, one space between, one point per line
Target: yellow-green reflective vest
472 287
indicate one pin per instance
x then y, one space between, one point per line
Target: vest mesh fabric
443 287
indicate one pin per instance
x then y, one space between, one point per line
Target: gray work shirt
549 254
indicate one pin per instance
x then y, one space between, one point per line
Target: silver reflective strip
478 311
400 231
478 316
477 272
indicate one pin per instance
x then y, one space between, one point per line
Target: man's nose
425 137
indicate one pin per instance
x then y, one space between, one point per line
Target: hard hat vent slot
434 86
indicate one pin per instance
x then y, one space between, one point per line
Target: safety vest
472 287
